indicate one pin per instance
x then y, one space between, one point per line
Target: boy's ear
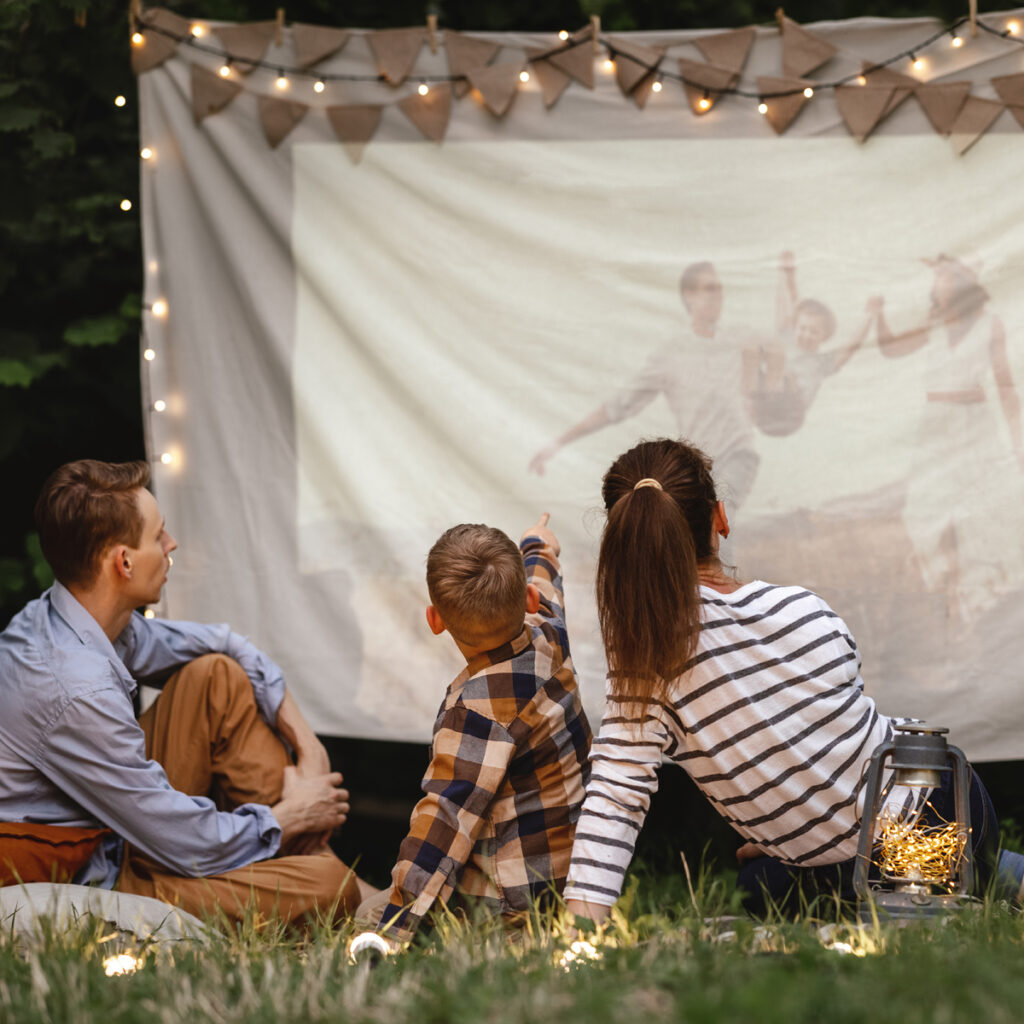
434 621
532 599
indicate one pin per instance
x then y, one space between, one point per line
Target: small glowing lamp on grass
926 870
122 963
368 948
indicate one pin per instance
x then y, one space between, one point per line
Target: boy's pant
207 733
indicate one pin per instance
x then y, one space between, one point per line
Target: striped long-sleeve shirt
770 720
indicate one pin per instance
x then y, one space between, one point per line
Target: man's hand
540 529
316 805
749 851
538 462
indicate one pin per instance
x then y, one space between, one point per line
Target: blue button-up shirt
72 752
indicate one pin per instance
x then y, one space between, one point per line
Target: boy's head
477 585
813 324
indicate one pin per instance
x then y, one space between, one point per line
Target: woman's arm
895 345
786 294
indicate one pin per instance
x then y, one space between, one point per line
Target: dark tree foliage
70 258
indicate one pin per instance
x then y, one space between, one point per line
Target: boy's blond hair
477 581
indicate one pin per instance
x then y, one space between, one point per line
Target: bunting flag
552 81
633 63
862 107
210 92
278 117
942 102
498 85
577 61
466 54
704 82
802 51
354 122
246 43
902 85
429 113
975 118
155 47
314 43
641 92
782 109
396 50
727 49
1010 89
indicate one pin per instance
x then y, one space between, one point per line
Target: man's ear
434 621
120 557
532 599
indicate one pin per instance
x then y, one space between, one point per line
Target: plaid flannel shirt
507 773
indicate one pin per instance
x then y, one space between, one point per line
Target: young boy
509 757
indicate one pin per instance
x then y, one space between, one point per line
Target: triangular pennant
497 85
552 81
902 85
703 82
396 50
354 122
862 107
942 102
279 117
1010 89
802 51
642 90
727 49
210 92
633 62
314 43
429 113
465 54
578 60
975 118
246 44
780 110
156 47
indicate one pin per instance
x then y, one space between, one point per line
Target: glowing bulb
138 39
916 63
281 82
423 89
762 107
160 308
318 86
657 86
862 80
563 35
224 70
159 405
608 65
153 266
198 31
703 103
524 76
808 92
167 458
119 101
1013 27
149 614
126 205
145 152
956 42
367 947
123 963
149 355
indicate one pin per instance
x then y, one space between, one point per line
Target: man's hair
688 280
84 508
477 581
812 307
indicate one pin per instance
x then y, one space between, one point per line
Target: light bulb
281 82
423 89
808 92
160 308
318 86
123 963
145 152
1013 27
149 355
703 103
224 70
563 35
126 205
149 614
762 107
159 405
524 76
657 86
119 101
138 39
167 458
956 42
153 266
916 63
198 31
862 80
608 65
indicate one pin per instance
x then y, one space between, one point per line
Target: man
700 374
199 795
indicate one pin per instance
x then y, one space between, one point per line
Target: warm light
119 101
198 31
137 39
524 76
149 355
1013 27
917 63
153 266
167 458
762 107
862 80
224 70
318 86
160 308
367 947
657 86
123 963
579 952
145 152
563 35
703 103
126 205
808 92
608 65
423 89
282 81
956 42
149 614
159 405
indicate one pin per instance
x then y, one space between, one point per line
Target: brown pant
207 733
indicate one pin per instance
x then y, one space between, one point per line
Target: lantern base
904 907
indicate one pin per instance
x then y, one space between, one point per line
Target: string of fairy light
157 311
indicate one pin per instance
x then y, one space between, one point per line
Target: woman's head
655 536
956 291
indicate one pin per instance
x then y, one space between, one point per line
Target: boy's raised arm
540 550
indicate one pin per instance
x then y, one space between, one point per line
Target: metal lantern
924 871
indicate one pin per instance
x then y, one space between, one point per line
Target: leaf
95 331
50 144
12 577
41 571
18 119
20 373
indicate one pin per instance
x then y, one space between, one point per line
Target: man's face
810 330
704 299
152 558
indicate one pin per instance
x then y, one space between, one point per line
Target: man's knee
216 679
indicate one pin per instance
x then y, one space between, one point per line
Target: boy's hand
540 529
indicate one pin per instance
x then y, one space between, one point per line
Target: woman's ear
720 521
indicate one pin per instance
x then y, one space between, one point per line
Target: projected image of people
714 415
964 490
782 378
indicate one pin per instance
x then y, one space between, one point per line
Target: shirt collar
483 661
86 628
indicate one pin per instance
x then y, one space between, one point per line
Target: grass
659 961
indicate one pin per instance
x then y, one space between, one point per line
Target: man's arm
1008 396
872 311
896 345
786 297
469 764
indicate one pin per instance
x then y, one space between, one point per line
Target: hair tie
647 481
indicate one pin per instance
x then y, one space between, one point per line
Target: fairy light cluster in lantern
927 854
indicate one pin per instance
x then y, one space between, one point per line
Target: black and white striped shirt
770 720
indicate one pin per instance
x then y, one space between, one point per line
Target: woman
754 689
